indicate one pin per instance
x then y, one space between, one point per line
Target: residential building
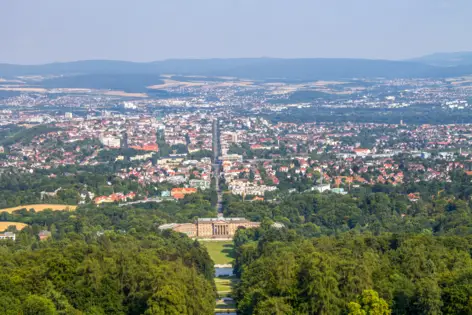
8 236
180 193
199 184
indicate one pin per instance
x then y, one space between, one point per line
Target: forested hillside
254 68
285 273
103 261
373 249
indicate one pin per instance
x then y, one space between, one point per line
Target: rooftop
167 226
222 219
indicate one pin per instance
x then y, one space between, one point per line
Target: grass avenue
220 251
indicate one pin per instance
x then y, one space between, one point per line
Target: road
158 200
217 167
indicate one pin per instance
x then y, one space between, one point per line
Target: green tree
9 305
273 306
369 304
38 305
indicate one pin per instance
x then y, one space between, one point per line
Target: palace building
211 227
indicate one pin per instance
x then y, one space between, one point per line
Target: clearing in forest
5 225
40 207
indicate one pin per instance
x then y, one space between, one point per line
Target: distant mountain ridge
453 59
253 68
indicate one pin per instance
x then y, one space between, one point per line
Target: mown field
40 207
5 225
220 251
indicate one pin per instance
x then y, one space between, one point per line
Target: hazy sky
39 31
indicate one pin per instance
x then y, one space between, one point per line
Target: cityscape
213 154
235 158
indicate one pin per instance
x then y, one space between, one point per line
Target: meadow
40 207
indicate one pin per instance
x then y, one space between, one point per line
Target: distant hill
75 67
255 68
133 83
323 69
446 59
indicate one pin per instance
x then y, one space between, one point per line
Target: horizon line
411 59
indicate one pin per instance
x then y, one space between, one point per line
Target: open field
220 251
26 89
234 83
324 83
40 207
124 94
17 88
459 79
169 83
5 225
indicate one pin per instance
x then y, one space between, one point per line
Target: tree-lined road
217 166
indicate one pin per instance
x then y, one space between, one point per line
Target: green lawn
220 251
225 284
221 306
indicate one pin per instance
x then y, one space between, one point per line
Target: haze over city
34 32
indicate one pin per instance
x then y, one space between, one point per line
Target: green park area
225 307
220 251
225 287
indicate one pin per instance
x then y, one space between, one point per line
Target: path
224 287
221 252
217 166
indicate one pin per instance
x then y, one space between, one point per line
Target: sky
43 31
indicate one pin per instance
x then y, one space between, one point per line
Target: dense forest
133 83
283 272
103 261
373 251
12 134
370 252
18 188
415 114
